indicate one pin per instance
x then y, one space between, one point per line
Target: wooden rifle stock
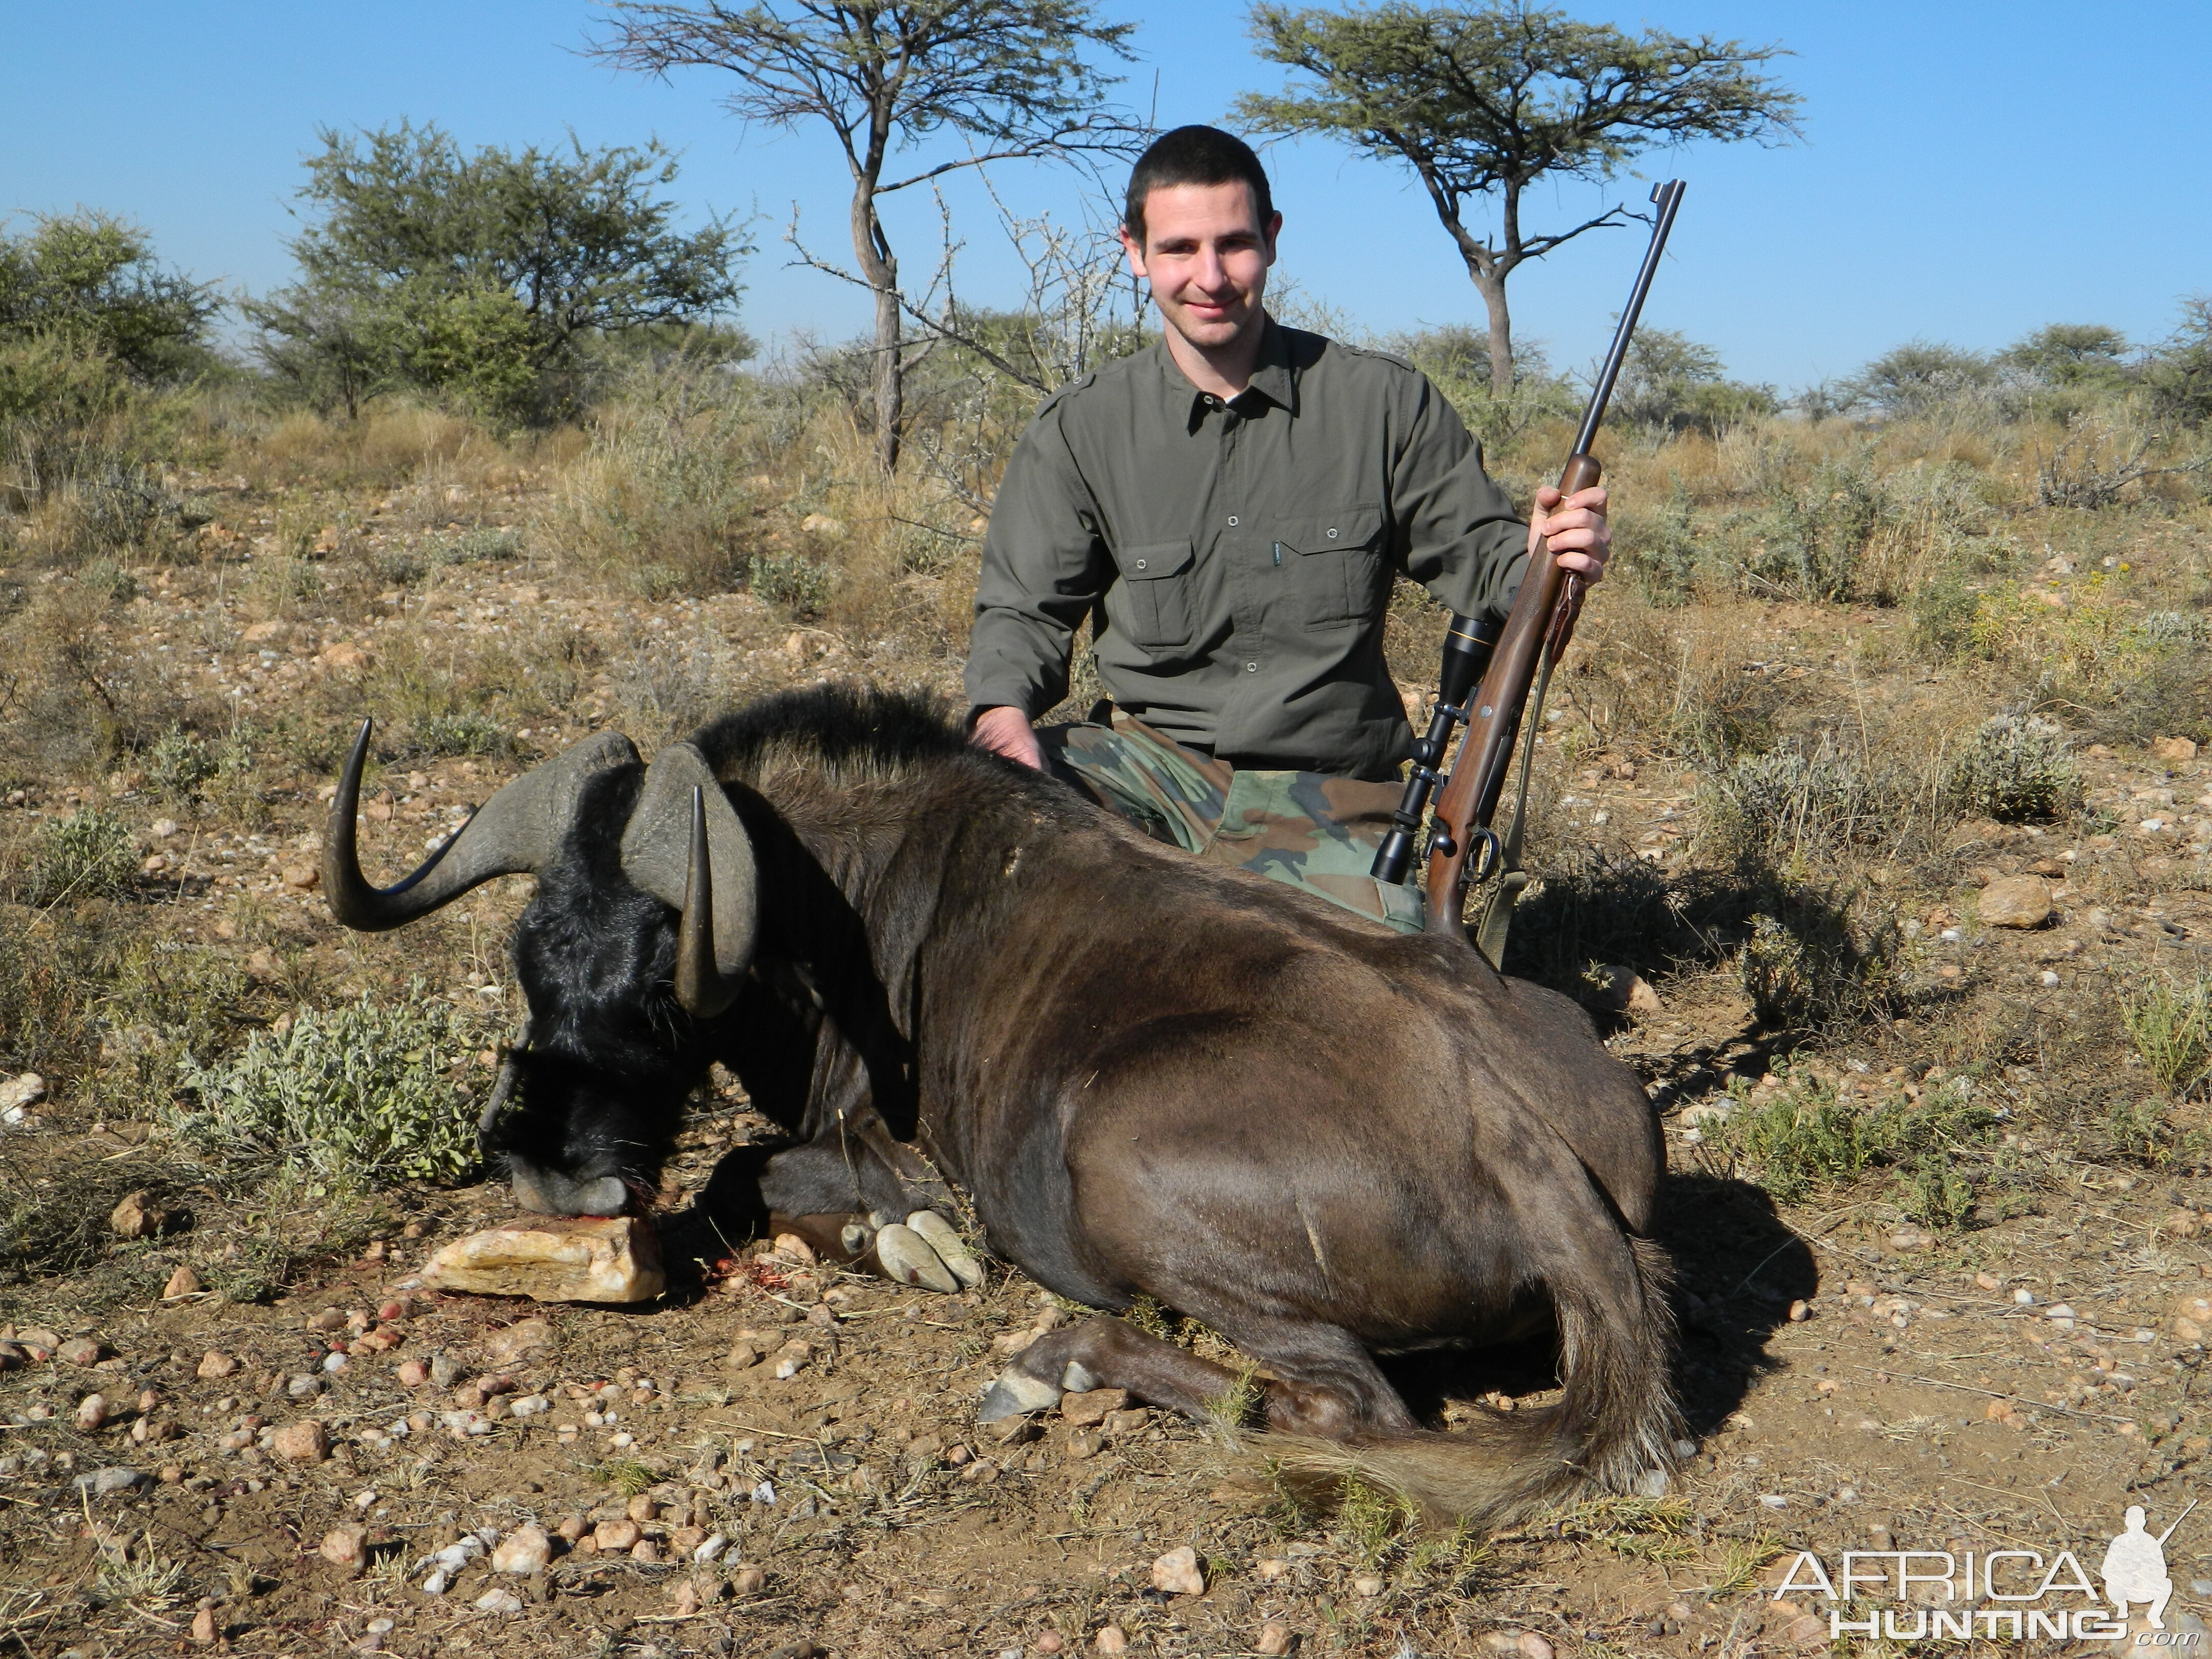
1462 846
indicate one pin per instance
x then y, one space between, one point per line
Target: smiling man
1235 504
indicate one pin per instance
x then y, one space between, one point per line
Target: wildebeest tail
1615 1419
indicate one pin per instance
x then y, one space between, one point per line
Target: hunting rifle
1485 685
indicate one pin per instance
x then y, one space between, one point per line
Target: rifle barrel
1668 197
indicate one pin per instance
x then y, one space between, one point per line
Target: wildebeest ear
656 849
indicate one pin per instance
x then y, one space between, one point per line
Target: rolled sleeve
1459 534
1044 567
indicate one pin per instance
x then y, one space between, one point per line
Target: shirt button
1251 667
1141 564
1232 521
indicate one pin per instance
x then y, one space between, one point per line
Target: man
2134 1569
1236 502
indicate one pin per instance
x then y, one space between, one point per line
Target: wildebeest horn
686 847
516 832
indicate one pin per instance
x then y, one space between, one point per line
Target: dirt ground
1853 1379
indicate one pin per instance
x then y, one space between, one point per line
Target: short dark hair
1195 155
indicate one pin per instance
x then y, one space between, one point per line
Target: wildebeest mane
841 733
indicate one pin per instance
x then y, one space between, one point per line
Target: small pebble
1800 1311
91 1412
346 1547
1367 1584
616 1535
216 1365
78 1351
204 1629
749 1581
1274 1639
1533 1646
1111 1640
499 1601
1050 1642
182 1283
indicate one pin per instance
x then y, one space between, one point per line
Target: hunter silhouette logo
2134 1568
2022 1594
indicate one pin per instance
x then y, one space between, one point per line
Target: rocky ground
355 1464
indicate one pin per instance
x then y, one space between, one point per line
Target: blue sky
1970 171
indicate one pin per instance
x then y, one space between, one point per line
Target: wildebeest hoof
1016 1393
1077 1378
1652 1483
938 1234
907 1259
855 1239
548 1192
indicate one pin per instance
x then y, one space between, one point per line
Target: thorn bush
368 1092
87 854
2018 768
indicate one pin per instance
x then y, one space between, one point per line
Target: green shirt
1241 554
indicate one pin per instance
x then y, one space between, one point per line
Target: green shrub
800 584
485 544
1807 970
659 497
87 854
1808 545
2170 1026
1799 804
1802 1137
457 734
1799 1138
367 1092
180 762
1662 550
2017 768
1943 610
1932 1193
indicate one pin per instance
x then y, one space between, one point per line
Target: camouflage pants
1308 829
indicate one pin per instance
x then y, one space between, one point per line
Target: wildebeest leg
1325 1383
1106 1353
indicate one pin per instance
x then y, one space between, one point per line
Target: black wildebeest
1152 1075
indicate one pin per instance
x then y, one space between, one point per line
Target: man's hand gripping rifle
1485 685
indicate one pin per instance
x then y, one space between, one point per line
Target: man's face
1207 256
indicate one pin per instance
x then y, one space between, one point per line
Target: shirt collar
1273 376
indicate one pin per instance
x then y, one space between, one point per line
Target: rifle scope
1467 647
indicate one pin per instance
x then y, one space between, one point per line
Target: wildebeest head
645 897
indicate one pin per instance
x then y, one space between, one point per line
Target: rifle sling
1512 880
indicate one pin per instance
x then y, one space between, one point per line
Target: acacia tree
483 275
1009 77
1484 101
92 278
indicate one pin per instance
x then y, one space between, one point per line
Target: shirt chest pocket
1333 565
1153 604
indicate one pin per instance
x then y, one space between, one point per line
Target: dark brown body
1153 1077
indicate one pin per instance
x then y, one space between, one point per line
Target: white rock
26 1090
714 1546
1177 1574
523 1551
499 1601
